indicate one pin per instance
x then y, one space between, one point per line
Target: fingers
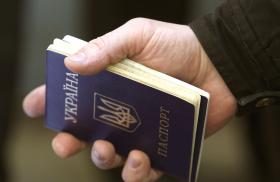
34 102
138 168
110 48
104 155
66 145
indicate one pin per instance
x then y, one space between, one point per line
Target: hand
170 48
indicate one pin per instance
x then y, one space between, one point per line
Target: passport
130 105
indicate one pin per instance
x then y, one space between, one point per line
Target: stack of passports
130 105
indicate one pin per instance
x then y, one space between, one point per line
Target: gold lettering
164 110
164 124
163 134
162 149
71 97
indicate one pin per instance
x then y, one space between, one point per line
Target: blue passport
130 105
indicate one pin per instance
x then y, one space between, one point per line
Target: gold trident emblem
117 114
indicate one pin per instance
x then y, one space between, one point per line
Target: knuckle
140 22
141 31
137 20
98 43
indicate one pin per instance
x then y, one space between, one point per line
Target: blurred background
246 150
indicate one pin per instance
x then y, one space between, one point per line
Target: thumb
123 42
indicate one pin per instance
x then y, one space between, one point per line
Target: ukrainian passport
130 105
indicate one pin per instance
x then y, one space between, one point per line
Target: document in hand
130 105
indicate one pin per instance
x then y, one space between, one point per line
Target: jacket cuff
225 35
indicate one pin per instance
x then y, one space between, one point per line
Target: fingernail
78 57
133 163
97 156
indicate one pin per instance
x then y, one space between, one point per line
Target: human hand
170 48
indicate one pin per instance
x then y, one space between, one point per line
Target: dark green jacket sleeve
242 39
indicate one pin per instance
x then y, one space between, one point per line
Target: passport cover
129 114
